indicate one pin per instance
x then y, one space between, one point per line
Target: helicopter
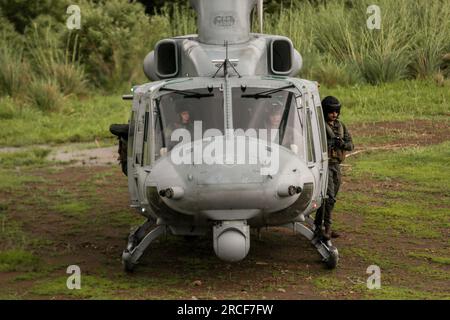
225 138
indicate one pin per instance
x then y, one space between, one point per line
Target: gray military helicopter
196 160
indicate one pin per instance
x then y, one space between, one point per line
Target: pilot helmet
331 104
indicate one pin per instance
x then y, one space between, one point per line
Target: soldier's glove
338 143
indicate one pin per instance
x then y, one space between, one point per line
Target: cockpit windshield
275 114
182 109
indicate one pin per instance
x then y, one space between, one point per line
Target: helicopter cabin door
319 119
139 150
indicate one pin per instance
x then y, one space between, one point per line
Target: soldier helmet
331 104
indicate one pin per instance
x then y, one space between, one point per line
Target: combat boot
334 234
327 233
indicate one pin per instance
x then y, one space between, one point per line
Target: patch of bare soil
89 157
415 132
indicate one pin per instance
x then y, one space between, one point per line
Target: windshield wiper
267 93
188 94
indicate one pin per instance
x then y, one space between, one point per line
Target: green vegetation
79 120
45 62
399 293
430 257
72 208
424 166
35 156
18 260
405 192
91 287
13 180
399 101
339 49
88 119
52 76
59 86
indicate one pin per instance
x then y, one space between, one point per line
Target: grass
92 287
333 37
109 287
430 257
424 166
33 157
399 101
18 260
79 120
371 256
88 119
401 293
11 180
401 193
404 191
72 208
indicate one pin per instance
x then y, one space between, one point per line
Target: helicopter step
327 251
138 241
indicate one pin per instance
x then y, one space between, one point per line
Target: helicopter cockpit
276 118
184 110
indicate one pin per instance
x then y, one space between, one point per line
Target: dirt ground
92 232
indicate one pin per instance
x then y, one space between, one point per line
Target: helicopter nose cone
233 186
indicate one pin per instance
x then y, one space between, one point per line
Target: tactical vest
336 153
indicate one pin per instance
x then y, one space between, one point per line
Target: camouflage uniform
339 141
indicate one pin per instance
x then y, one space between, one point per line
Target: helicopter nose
269 179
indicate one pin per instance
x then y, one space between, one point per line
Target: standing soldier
339 141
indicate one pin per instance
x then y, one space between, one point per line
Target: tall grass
14 71
53 63
332 36
413 39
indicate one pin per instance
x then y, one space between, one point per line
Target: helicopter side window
321 124
160 144
146 145
309 136
131 134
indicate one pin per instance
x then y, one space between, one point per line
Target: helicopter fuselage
227 171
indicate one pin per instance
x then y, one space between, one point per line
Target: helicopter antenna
260 7
226 63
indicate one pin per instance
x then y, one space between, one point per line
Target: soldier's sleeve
348 142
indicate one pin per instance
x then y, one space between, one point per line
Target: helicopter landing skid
327 251
138 241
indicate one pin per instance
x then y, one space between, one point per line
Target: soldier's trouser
334 182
